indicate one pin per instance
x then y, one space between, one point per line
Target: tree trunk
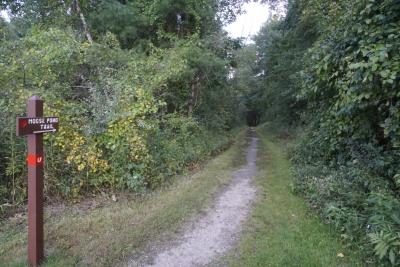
193 95
83 20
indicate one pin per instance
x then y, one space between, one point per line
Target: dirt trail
210 236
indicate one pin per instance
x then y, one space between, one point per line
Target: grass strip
282 231
111 235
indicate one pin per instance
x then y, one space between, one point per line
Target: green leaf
392 257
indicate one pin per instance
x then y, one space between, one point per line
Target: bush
348 192
126 118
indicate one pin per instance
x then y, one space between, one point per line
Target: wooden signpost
33 126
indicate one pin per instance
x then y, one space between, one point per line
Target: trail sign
33 126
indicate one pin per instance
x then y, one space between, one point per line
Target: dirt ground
211 235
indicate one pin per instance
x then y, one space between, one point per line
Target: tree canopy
332 69
141 89
146 88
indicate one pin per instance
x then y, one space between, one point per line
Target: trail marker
33 126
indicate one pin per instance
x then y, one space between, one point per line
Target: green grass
112 234
282 231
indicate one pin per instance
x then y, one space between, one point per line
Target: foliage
352 81
332 68
138 102
286 236
156 214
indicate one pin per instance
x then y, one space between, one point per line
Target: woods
141 90
147 89
331 69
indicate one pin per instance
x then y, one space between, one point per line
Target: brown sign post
34 125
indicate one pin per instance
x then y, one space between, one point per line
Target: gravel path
216 232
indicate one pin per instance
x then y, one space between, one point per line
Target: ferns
386 245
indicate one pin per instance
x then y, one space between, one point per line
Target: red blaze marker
23 123
34 160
